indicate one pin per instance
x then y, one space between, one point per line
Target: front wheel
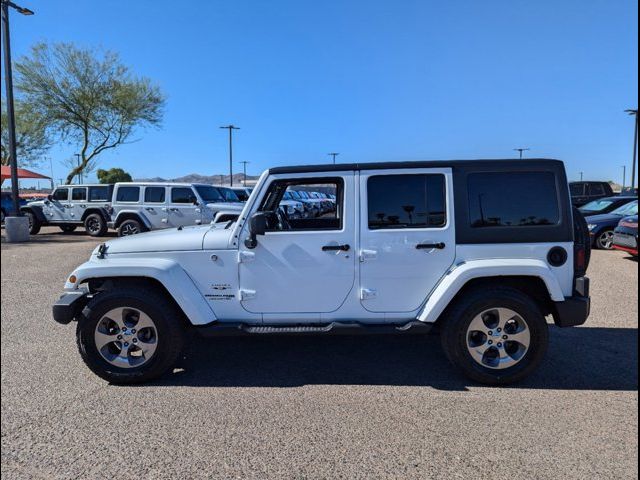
34 223
130 335
129 227
495 336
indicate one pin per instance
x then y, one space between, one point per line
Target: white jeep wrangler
483 250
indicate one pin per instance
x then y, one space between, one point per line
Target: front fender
168 272
461 274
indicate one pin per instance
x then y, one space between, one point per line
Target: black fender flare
99 210
37 212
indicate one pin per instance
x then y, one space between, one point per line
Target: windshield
627 210
596 205
229 195
209 194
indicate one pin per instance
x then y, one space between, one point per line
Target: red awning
22 173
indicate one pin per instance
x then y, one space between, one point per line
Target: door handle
336 248
150 209
430 246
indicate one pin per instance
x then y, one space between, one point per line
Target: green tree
88 97
113 175
32 138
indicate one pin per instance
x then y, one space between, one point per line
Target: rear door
407 236
78 203
155 206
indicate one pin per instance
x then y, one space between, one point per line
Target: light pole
244 169
624 176
231 128
521 150
581 176
634 112
334 155
10 109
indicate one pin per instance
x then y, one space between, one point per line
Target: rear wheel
34 223
495 336
604 241
129 227
130 335
95 225
68 228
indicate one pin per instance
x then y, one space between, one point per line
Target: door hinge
246 257
368 294
247 294
368 255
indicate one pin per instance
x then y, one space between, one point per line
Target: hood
168 240
604 218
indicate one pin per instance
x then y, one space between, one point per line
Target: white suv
482 250
140 207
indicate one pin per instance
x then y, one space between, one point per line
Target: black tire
168 322
2 216
68 228
130 227
95 225
457 321
34 223
602 238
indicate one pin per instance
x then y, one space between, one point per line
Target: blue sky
373 80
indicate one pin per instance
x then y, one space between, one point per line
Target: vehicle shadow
60 238
578 359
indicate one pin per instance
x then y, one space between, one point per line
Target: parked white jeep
482 250
140 207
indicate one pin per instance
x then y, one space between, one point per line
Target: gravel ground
313 407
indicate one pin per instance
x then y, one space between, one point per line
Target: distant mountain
197 178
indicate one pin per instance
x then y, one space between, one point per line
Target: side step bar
334 328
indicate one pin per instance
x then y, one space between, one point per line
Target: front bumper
69 306
574 310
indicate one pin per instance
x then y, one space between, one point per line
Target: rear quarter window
513 199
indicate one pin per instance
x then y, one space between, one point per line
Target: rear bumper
69 306
574 310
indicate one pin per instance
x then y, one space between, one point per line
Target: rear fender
461 274
124 214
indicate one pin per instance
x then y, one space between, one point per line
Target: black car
585 192
606 205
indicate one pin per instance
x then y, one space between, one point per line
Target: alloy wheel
126 337
498 338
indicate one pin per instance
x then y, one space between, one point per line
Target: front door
56 208
302 266
407 236
184 210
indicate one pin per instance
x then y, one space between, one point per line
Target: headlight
592 227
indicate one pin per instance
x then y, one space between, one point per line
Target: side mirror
50 197
257 226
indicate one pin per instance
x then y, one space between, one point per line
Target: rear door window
513 199
154 194
406 201
596 189
79 194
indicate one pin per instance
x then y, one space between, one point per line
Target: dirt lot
313 407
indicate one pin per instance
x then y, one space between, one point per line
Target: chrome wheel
605 240
126 337
498 338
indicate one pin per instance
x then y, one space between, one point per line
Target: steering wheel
283 221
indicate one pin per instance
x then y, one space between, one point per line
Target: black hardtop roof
480 163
